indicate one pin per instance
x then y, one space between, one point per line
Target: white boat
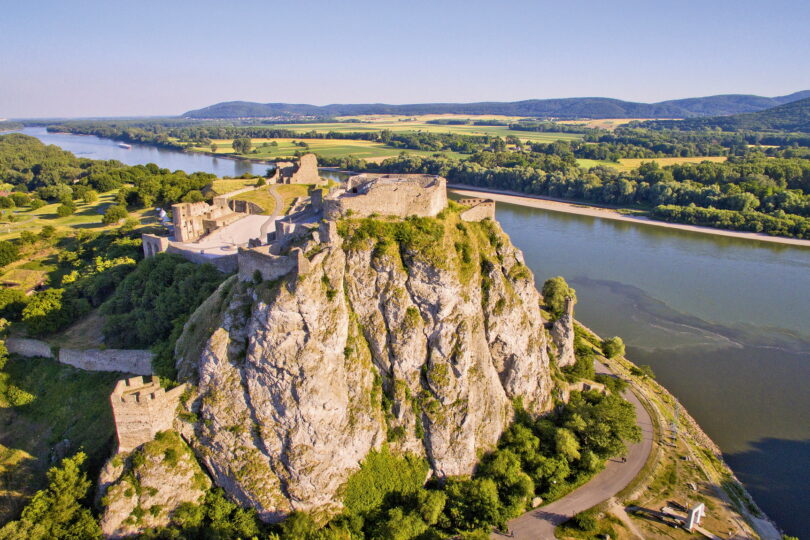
125 145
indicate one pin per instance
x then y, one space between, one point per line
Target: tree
555 291
567 444
613 347
242 145
58 512
114 214
8 252
643 371
214 147
90 196
65 209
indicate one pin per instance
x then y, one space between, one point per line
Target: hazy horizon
92 59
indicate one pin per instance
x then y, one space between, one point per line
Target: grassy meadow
628 164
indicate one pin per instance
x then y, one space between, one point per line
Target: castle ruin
479 210
399 195
305 172
141 408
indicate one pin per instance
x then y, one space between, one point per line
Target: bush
555 291
114 214
65 209
52 310
613 347
12 302
584 521
382 473
8 253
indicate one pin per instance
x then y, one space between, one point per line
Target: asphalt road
541 522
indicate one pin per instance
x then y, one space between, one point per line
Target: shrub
613 347
114 214
555 291
8 253
65 209
382 473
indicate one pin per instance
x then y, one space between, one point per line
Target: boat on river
125 145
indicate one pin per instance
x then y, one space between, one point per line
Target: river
724 322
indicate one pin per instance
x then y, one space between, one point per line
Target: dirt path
557 205
541 522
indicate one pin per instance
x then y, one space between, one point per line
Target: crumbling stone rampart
399 195
124 360
134 361
304 172
31 348
269 266
141 408
480 209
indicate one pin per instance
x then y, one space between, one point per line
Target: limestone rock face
143 489
562 335
301 378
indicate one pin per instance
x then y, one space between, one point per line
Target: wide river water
724 322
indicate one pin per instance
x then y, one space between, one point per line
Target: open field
410 125
628 164
220 186
331 148
427 117
600 123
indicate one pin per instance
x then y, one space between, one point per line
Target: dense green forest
587 107
50 173
794 116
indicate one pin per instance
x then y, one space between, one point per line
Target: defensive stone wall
123 360
153 244
269 266
399 195
141 408
226 263
245 207
303 172
29 347
480 209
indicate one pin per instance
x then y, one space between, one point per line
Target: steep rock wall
301 378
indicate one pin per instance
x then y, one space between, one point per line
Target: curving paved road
540 523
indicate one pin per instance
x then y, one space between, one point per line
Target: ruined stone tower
141 408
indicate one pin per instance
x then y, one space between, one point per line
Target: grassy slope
41 404
87 216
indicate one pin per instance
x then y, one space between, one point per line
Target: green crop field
368 150
418 125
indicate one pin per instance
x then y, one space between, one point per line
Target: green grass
289 192
400 126
43 403
87 216
226 185
261 197
328 148
588 163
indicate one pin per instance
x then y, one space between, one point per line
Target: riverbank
678 434
568 207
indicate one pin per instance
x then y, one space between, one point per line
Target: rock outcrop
562 335
143 489
420 332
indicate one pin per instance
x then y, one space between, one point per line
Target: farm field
419 123
628 164
331 148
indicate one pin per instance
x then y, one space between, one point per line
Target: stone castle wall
389 195
271 267
481 209
124 360
141 408
29 347
153 244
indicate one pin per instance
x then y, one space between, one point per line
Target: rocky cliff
421 333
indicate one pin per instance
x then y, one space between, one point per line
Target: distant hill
793 116
587 107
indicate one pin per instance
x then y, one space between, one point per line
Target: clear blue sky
144 57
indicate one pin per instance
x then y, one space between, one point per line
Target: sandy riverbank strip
556 205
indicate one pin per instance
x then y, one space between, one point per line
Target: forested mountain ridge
582 107
794 116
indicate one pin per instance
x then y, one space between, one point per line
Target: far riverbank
559 205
